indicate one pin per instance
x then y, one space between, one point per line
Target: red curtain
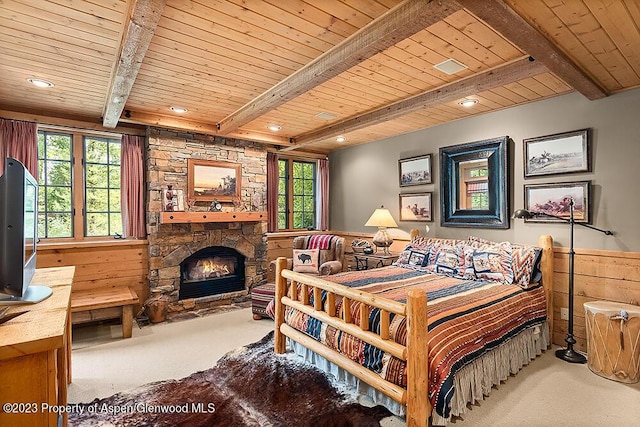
132 186
272 192
19 140
323 194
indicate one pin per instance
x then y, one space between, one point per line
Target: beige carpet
548 392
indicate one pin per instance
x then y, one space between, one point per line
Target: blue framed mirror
474 179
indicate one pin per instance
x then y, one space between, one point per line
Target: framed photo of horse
560 153
416 207
415 170
554 199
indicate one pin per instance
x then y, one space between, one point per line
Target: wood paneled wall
101 264
598 276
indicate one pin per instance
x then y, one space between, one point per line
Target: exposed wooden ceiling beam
181 124
471 85
498 15
404 20
89 123
142 24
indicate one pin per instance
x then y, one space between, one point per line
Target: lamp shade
381 218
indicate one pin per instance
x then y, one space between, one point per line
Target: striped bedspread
467 318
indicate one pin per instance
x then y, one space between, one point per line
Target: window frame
289 192
78 184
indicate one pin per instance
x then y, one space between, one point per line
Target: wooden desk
35 354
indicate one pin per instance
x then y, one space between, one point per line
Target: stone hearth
170 244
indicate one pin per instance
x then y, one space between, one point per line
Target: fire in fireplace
211 271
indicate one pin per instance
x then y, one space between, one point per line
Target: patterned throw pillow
418 259
305 260
493 263
466 270
448 260
524 262
412 258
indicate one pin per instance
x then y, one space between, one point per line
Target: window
296 194
102 187
79 185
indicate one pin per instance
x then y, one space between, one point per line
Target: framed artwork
554 199
415 207
209 180
567 152
415 170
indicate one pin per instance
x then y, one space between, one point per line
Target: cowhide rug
250 386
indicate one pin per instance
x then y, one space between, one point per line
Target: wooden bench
99 304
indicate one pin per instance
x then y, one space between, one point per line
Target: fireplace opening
211 271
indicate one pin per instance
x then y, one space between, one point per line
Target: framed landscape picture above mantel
556 154
415 170
209 180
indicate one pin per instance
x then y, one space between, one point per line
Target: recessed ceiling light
341 139
179 110
274 128
450 66
39 82
326 116
468 102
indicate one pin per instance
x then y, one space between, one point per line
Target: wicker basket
358 245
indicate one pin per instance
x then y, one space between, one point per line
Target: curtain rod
76 129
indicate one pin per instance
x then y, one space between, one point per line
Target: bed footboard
415 397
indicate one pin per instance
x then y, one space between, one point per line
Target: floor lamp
568 354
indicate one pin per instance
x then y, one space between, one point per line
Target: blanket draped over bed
466 319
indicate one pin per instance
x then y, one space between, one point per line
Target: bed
376 327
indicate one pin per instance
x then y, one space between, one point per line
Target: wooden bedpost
418 409
546 266
281 290
414 233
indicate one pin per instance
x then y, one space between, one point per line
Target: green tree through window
55 213
102 187
66 207
296 194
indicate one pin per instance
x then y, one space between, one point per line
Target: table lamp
382 219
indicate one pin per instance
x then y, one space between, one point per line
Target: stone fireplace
204 264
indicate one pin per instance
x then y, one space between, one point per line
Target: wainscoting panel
599 276
101 264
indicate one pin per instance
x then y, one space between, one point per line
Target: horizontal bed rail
415 396
395 392
386 345
345 291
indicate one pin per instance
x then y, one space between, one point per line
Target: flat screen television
18 236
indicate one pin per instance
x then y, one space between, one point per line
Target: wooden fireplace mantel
190 217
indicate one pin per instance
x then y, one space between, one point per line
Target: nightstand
367 261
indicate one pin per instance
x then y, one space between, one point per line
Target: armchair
331 261
331 251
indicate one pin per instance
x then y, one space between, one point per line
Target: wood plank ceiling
239 66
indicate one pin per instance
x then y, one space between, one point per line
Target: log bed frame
414 397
